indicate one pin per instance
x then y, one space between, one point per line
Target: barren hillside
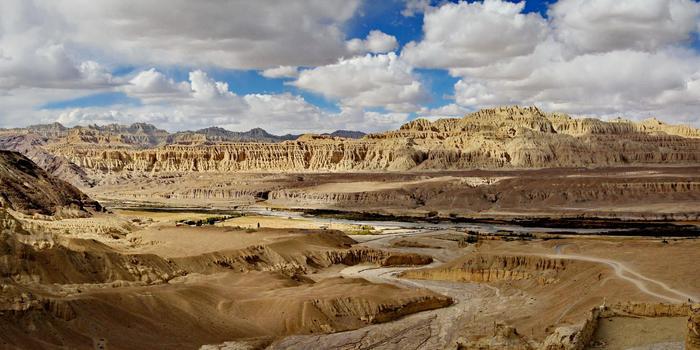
27 188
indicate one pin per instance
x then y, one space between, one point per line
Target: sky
322 65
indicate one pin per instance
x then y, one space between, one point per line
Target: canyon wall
526 190
493 268
506 137
580 336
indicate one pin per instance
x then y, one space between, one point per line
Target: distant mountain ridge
218 134
148 135
348 134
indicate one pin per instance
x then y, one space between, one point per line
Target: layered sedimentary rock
134 135
332 248
493 268
516 193
507 137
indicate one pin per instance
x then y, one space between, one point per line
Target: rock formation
692 340
27 188
216 134
493 268
31 145
504 338
506 137
143 135
579 337
347 134
44 288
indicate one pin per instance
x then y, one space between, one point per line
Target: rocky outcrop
576 127
299 156
493 268
516 193
27 188
378 313
578 337
504 338
31 146
279 259
58 263
570 337
692 340
374 198
646 310
216 134
347 134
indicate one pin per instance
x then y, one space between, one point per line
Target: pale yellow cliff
505 137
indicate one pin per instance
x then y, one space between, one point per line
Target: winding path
643 283
433 329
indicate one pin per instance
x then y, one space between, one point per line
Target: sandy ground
533 310
163 237
670 262
162 216
252 221
187 241
620 333
235 305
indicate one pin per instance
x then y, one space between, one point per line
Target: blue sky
368 65
375 15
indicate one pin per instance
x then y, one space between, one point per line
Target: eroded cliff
494 268
506 137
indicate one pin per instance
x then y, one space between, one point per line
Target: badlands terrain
510 228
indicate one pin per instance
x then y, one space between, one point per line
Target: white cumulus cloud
281 72
152 83
414 7
451 110
597 57
474 34
376 42
202 102
367 81
229 34
604 25
33 52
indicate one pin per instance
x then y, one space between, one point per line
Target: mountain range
143 135
504 137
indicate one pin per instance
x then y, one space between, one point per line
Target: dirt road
645 284
435 329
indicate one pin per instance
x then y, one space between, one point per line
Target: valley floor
140 278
